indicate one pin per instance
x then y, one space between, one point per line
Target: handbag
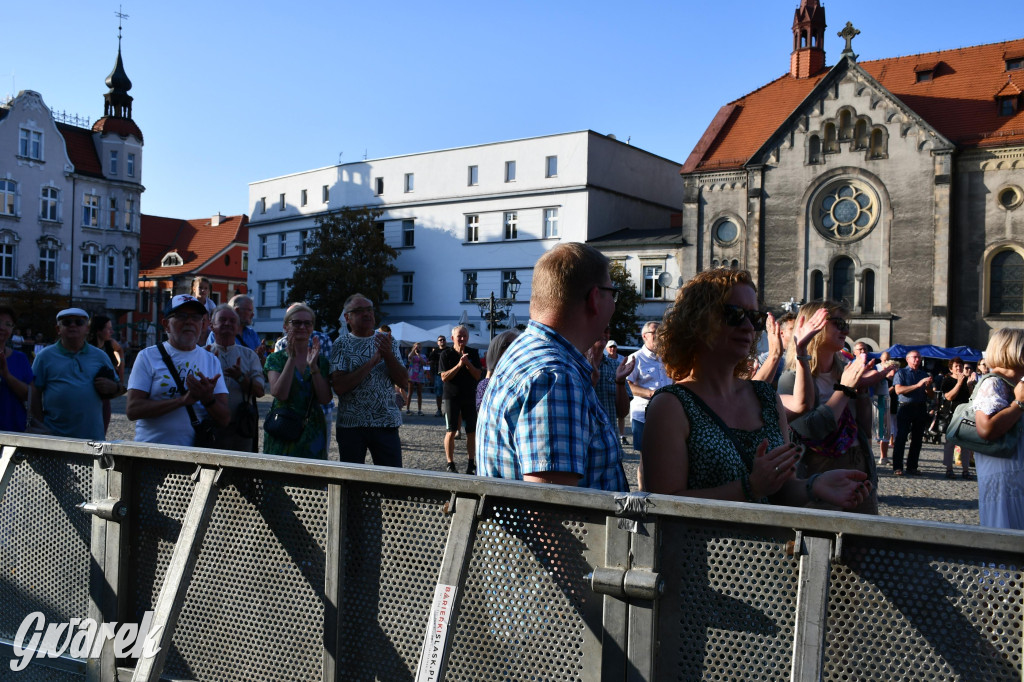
963 429
207 430
286 424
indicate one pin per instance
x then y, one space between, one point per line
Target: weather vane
120 16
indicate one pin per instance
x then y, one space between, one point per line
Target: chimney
215 220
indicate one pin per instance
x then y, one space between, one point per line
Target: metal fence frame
581 584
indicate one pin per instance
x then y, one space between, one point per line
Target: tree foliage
36 302
346 254
624 324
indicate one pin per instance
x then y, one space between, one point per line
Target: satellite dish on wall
666 280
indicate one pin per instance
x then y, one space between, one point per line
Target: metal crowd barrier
268 568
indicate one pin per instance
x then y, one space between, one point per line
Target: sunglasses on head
734 316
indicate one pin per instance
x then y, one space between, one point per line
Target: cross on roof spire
849 33
120 16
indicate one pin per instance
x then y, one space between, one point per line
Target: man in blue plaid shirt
540 419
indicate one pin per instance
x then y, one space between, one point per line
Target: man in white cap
154 400
71 379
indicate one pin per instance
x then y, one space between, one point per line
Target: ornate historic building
894 184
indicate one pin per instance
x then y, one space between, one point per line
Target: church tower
808 56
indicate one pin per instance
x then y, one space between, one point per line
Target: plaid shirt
540 413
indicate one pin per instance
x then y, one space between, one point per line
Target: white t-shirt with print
150 375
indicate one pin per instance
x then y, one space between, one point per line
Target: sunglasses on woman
842 326
734 316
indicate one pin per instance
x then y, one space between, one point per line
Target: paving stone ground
928 496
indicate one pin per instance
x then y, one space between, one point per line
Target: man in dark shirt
913 385
460 371
956 390
432 360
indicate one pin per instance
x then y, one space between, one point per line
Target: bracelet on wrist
847 391
748 490
804 357
811 497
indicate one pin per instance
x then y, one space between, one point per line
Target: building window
281 202
410 181
868 304
831 140
48 261
129 166
172 259
1010 197
845 210
814 149
924 76
378 185
842 281
380 231
302 197
1007 106
30 144
90 210
48 201
860 135
551 223
113 162
469 285
551 167
90 268
652 287
262 295
7 261
845 125
245 262
510 171
263 205
111 270
304 242
726 232
129 209
474 175
8 190
128 281
879 144
512 225
282 293
407 288
472 228
1006 283
263 246
506 280
817 285
325 194
282 244
112 220
408 233
1015 64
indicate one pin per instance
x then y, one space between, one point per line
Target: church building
894 185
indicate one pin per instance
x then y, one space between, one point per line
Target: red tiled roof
119 126
196 241
959 102
81 149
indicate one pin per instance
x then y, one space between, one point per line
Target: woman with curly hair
715 434
840 440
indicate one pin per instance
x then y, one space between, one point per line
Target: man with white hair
460 371
646 375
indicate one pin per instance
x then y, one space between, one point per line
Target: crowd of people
795 425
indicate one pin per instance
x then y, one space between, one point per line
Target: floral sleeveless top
714 460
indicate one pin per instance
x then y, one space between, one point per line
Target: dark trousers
384 445
911 420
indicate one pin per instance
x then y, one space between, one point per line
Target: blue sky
231 92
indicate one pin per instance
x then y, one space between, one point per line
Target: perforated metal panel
254 609
36 672
729 607
527 612
909 613
45 540
394 542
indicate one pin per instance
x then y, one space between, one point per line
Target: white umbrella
409 334
464 318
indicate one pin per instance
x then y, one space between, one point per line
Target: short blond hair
564 275
299 308
1006 350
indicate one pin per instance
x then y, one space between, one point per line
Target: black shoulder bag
206 430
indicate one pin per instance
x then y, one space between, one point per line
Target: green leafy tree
344 255
36 302
624 322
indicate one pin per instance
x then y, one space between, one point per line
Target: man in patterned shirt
364 371
540 419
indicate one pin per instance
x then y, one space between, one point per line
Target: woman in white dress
998 406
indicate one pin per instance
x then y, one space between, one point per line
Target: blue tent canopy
965 353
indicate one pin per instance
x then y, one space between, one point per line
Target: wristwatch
1019 404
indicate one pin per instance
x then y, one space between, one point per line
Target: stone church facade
894 185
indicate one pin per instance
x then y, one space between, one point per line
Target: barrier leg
334 588
643 613
7 464
179 575
811 608
615 616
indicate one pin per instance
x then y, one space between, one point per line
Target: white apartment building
466 221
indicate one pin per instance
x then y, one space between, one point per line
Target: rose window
846 211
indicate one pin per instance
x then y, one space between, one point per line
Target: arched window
735 265
831 143
845 125
817 285
868 303
1006 283
879 148
860 135
842 280
814 149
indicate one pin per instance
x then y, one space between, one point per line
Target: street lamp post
494 309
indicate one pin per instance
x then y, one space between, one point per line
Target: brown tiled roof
196 241
959 102
81 150
119 126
